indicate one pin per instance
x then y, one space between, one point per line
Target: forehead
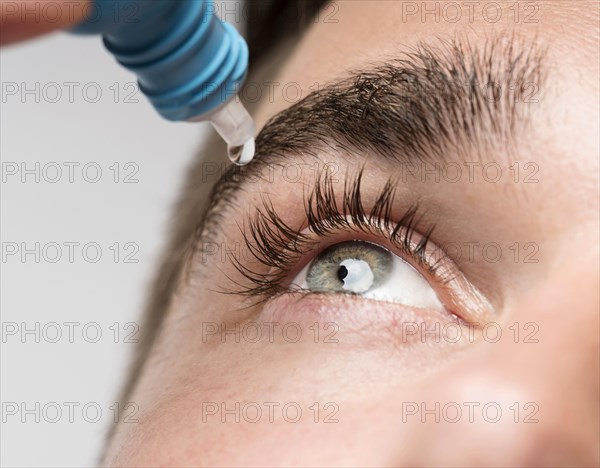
350 34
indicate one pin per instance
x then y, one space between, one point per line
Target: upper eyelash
278 247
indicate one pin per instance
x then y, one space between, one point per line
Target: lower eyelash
278 247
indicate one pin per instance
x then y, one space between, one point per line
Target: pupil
342 273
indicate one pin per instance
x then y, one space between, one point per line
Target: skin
29 18
373 376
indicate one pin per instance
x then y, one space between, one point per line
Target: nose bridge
546 372
554 328
551 350
531 398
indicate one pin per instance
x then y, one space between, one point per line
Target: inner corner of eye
369 270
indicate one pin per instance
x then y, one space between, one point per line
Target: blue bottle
189 63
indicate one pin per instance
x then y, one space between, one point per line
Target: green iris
349 267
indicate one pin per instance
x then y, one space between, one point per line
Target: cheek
242 416
181 433
203 389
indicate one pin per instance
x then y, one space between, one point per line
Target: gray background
42 371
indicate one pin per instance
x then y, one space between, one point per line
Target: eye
368 270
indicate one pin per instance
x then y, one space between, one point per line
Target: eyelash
278 247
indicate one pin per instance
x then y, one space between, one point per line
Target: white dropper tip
237 128
242 155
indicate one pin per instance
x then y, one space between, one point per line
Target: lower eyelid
367 323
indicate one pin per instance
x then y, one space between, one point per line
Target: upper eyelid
277 245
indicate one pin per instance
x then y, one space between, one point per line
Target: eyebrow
435 103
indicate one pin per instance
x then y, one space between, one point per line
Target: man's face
408 272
